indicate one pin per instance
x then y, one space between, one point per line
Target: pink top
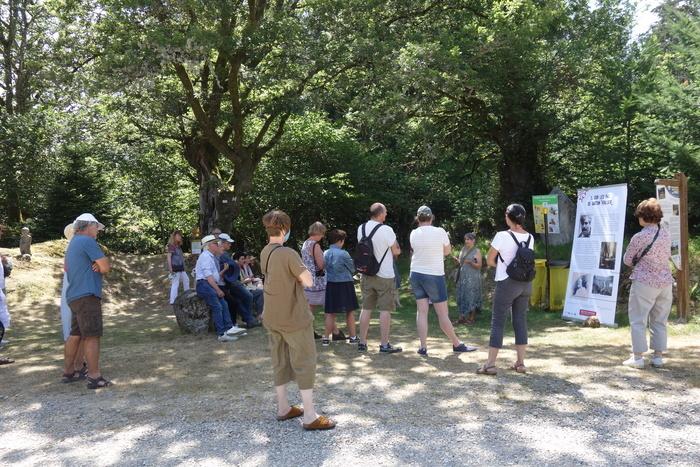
653 269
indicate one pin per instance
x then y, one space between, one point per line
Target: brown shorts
293 357
87 316
378 292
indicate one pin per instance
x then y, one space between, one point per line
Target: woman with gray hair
469 281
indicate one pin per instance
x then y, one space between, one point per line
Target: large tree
242 69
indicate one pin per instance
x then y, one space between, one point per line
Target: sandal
487 370
71 377
6 361
321 423
97 383
518 367
294 412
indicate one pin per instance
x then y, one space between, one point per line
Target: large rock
567 219
192 313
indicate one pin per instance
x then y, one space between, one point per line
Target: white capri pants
175 284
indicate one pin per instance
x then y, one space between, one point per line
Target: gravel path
183 400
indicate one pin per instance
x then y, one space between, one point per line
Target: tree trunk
521 176
229 202
203 157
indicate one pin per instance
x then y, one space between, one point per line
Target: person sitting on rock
208 289
240 296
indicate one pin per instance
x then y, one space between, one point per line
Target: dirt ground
184 400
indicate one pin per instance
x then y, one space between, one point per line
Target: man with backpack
374 257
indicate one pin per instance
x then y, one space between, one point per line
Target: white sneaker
227 338
235 330
634 362
657 362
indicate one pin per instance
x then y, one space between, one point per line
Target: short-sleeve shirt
382 240
507 248
653 269
207 265
285 307
82 252
428 245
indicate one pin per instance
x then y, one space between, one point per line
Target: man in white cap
85 264
208 278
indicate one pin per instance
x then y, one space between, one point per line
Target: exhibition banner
551 203
670 200
596 256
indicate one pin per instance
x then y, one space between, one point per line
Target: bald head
378 212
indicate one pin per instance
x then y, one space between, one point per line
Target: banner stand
680 182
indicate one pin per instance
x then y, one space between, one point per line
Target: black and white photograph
585 225
607 255
661 193
676 210
581 284
603 285
675 249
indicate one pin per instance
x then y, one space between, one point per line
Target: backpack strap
371 234
527 243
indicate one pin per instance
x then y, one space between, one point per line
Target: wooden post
683 276
546 260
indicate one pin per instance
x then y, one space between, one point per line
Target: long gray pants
510 296
649 305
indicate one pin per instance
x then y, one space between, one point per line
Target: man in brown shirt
288 320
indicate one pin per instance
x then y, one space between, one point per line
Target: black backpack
365 261
522 268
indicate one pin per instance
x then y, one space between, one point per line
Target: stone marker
567 219
192 313
25 243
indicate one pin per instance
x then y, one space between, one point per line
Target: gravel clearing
183 400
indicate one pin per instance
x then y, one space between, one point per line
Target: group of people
294 285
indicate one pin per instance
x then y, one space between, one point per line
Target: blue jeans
258 300
218 307
244 300
429 286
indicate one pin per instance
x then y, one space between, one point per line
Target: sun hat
225 237
87 217
208 239
68 231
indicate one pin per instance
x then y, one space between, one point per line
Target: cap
225 237
208 239
87 217
424 211
68 231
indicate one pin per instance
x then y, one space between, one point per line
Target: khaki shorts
293 357
86 320
378 292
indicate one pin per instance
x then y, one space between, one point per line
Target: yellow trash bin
558 282
539 285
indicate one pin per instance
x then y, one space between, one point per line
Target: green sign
550 203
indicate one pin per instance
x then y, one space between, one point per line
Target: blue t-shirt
82 280
233 273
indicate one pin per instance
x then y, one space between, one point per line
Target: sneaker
340 336
354 340
634 362
657 362
235 330
423 351
361 347
463 348
325 342
227 338
390 349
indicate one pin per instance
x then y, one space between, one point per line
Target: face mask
286 236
